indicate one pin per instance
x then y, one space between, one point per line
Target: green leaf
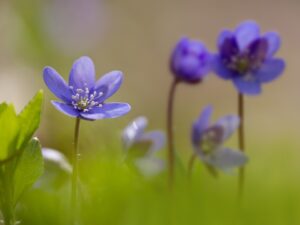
9 130
3 106
29 168
29 119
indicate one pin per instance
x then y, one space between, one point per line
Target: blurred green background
137 36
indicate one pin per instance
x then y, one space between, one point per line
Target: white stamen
83 100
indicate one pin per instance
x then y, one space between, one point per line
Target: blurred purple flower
57 173
208 141
141 146
84 97
190 61
57 158
247 58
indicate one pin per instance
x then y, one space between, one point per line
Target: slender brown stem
241 138
191 165
170 132
75 156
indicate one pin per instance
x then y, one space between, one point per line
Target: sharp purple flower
208 140
141 146
247 58
83 96
190 61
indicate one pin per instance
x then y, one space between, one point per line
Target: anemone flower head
190 61
248 58
141 146
84 97
208 140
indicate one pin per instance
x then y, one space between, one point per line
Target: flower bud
190 61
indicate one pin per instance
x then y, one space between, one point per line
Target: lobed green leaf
29 119
30 166
9 130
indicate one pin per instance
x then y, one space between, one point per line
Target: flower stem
191 165
170 132
241 137
7 198
75 173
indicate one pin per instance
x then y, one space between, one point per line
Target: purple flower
208 141
247 58
190 61
84 97
141 146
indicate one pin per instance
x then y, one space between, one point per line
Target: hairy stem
75 156
170 132
241 138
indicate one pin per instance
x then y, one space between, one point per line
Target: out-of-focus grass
114 194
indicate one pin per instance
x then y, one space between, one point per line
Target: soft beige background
136 36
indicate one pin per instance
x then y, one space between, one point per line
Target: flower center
208 143
248 60
139 149
84 100
240 64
